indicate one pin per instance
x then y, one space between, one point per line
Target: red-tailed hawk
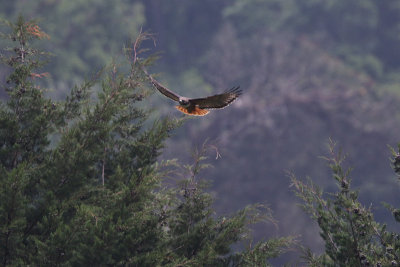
198 106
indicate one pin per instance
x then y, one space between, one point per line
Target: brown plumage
198 106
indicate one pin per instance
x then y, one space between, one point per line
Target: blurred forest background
310 70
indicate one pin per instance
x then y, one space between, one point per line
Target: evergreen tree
80 182
199 238
77 176
352 236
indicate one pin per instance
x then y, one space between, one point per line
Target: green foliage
105 26
89 190
362 32
396 160
352 236
295 94
198 238
80 182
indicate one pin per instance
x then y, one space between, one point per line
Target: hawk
198 106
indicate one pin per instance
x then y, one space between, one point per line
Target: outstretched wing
217 101
163 90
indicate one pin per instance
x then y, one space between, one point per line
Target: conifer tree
352 237
199 238
77 176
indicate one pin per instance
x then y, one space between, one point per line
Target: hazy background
310 70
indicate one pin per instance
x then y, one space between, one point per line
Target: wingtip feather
235 90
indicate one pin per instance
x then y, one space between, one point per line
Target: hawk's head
184 101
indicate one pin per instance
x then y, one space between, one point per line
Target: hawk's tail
196 111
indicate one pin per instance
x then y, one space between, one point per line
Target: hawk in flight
198 106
